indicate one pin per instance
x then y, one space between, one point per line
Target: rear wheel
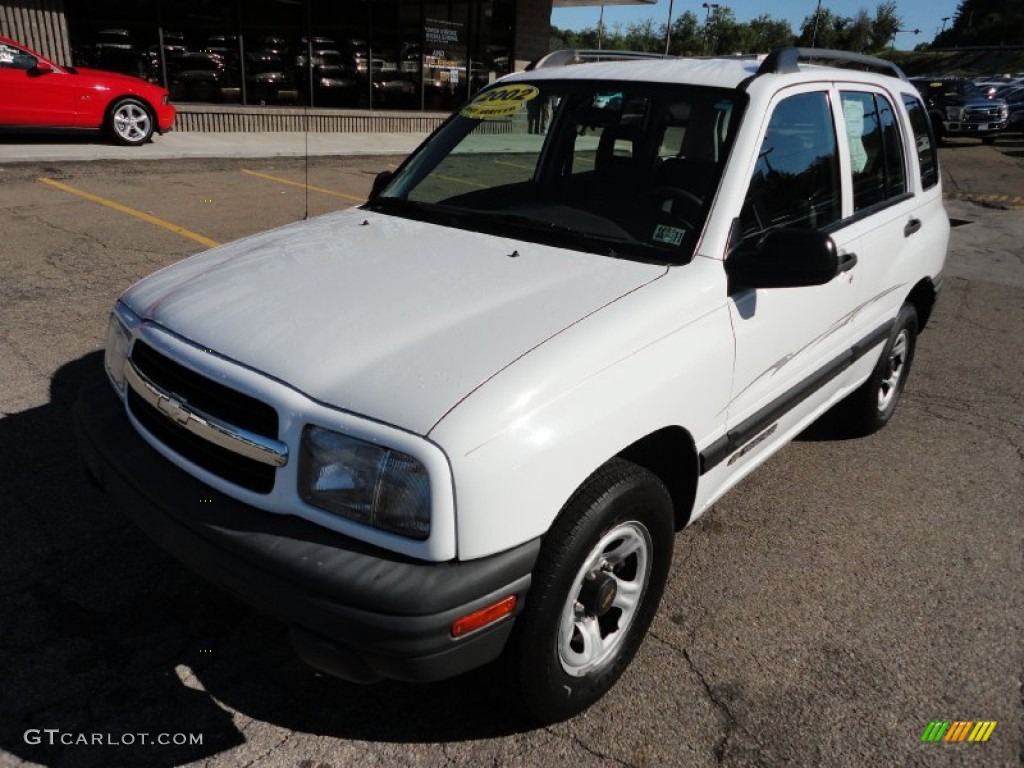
596 587
130 122
871 406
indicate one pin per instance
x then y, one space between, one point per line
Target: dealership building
360 54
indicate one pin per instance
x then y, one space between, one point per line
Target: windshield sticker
670 235
499 102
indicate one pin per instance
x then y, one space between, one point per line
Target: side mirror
786 258
40 68
380 181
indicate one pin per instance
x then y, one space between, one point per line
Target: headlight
365 482
1004 112
953 113
115 356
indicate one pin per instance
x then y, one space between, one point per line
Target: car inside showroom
355 54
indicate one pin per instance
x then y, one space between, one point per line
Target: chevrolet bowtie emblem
173 410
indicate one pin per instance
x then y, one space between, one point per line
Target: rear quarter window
924 141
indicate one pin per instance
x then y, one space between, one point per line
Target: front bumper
165 114
355 611
974 129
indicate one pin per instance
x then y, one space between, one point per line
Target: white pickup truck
465 419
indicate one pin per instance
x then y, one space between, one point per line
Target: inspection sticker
667 234
499 102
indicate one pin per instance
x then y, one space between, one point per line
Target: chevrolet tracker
465 420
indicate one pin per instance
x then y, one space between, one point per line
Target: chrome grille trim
240 441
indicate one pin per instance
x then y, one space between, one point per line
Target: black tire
613 540
871 406
130 122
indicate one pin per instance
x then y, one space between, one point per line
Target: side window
876 151
923 141
15 58
796 178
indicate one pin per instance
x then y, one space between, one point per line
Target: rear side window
796 178
923 141
876 150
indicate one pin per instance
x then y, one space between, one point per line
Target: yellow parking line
467 182
131 212
1012 202
322 190
514 165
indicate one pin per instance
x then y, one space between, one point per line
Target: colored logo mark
958 730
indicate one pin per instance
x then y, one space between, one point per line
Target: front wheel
871 406
130 122
596 587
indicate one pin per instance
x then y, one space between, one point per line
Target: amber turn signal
484 616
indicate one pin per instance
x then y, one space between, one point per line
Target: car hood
378 315
112 78
977 103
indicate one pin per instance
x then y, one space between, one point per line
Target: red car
38 94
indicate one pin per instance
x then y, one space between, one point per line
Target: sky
925 15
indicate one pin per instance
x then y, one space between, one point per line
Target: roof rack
785 60
579 56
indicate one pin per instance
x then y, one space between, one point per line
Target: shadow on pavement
102 633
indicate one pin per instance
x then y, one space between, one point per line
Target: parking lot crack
77 233
273 749
730 722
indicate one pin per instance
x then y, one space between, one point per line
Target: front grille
204 394
982 115
213 399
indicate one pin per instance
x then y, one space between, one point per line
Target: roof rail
574 56
785 60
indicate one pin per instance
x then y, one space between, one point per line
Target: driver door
32 97
787 338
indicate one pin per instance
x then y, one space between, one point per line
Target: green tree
724 35
859 33
824 30
884 25
767 34
984 22
686 35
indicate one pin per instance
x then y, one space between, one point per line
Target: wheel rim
895 366
131 122
589 634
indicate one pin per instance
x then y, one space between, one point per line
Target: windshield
621 168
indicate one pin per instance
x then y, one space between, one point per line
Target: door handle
912 226
847 262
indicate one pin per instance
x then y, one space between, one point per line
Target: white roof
718 72
722 73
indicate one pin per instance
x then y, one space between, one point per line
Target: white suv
465 419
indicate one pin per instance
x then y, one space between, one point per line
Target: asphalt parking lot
822 614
